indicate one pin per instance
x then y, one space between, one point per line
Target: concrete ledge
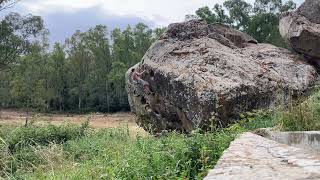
254 157
307 140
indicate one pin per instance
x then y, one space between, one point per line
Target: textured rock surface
302 29
311 10
254 157
197 69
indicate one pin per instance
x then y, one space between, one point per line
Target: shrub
43 135
301 116
21 148
113 154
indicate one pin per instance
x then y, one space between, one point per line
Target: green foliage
26 88
4 89
239 12
84 74
15 32
260 21
257 119
67 152
32 135
264 28
303 116
216 16
273 6
57 78
22 148
158 32
113 154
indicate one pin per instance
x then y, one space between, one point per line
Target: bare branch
6 4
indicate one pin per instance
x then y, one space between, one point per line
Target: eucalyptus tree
142 40
239 12
80 60
157 33
27 86
260 20
264 24
58 78
16 34
97 42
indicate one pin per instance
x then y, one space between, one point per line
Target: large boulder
302 29
203 75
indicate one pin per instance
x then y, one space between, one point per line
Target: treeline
260 20
86 73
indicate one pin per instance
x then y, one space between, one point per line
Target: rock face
302 29
254 157
198 71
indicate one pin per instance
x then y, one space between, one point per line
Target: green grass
78 152
301 116
70 152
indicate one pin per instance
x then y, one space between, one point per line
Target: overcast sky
63 17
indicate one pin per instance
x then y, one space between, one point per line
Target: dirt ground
96 120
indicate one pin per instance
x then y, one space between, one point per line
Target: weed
303 116
71 152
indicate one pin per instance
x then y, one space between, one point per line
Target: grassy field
70 151
79 151
96 120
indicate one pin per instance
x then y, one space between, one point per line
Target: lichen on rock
196 70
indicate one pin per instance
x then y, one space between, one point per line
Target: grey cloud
63 25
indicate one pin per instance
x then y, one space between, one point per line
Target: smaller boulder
302 29
311 10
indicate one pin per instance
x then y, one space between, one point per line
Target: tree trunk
107 93
47 106
0 111
27 116
60 105
79 103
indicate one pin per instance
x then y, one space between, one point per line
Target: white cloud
161 12
49 6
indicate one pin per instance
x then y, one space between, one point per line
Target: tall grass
71 152
78 152
301 116
21 149
113 154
